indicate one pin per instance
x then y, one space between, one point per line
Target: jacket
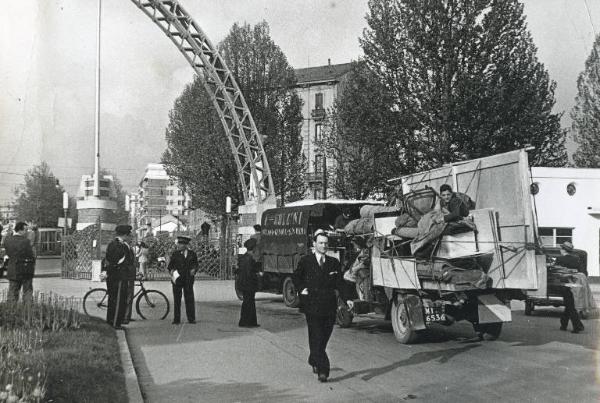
120 260
321 283
21 261
248 267
184 266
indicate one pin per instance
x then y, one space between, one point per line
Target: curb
134 394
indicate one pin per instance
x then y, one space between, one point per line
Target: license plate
434 314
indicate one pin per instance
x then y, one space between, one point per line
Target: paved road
215 361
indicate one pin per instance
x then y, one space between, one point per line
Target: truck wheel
529 307
290 295
488 331
400 323
238 292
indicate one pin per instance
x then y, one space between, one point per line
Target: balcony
313 177
318 114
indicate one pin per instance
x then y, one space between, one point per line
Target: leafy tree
198 153
360 135
39 199
266 80
464 78
586 113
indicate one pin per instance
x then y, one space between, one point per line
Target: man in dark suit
120 259
319 280
183 266
21 264
248 284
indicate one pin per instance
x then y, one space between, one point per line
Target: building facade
90 208
318 87
158 196
567 201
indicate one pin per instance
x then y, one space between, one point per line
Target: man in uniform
120 260
319 279
21 264
183 266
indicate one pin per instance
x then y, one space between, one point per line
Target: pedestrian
319 279
120 259
142 256
248 284
21 264
183 266
569 260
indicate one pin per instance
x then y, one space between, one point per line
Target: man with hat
569 259
183 266
120 260
248 284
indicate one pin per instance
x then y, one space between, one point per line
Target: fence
216 257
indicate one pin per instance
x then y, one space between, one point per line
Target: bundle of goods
364 225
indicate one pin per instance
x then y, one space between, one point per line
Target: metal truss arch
244 139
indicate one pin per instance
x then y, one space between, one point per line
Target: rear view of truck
430 274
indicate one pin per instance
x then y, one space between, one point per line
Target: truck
287 236
471 275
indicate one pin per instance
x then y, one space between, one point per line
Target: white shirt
318 256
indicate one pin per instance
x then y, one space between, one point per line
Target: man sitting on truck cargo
455 208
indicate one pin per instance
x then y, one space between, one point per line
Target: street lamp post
66 209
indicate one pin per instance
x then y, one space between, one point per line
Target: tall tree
39 199
266 79
465 76
198 153
586 112
360 136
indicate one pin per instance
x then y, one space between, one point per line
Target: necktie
321 261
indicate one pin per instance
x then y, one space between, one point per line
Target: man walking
319 279
21 264
569 260
120 260
183 266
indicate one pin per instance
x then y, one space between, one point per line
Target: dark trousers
117 301
14 288
248 314
188 295
319 331
570 313
129 305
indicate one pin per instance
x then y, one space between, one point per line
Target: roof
312 202
329 72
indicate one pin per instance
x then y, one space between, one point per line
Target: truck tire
488 331
400 323
343 316
529 307
290 295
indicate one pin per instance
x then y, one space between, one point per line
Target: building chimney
329 62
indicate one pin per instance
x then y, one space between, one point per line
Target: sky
47 71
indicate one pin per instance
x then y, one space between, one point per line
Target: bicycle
150 304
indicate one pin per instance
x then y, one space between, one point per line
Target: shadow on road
442 356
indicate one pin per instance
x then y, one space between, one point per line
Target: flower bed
50 352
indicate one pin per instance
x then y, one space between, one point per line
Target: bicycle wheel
152 304
95 303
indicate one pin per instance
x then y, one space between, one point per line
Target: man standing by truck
319 279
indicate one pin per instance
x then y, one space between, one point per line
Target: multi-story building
159 196
90 208
318 87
